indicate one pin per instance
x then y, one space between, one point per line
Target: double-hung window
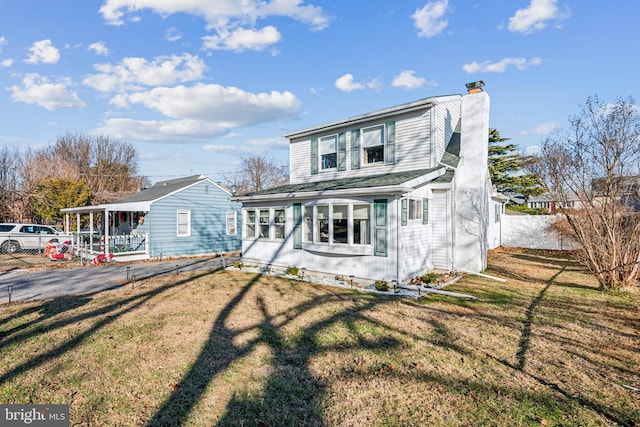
250 224
231 223
183 223
340 224
322 221
307 235
278 223
415 209
373 144
328 152
264 223
361 225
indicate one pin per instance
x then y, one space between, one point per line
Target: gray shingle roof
451 156
383 180
161 189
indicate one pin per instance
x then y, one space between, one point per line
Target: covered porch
109 229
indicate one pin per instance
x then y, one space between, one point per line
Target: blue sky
197 84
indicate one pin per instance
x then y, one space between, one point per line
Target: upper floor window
373 144
328 152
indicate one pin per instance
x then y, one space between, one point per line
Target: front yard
236 348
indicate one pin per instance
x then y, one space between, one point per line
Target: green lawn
235 348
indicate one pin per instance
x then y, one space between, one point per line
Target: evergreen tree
505 168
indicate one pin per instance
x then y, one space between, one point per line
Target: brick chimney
474 87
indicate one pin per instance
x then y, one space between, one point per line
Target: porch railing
128 244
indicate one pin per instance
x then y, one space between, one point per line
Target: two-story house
388 195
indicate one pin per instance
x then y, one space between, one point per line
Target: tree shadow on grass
107 314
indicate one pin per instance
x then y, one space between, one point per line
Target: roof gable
162 189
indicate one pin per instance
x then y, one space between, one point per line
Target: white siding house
388 195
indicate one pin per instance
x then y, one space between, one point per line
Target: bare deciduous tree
594 174
108 167
258 172
11 194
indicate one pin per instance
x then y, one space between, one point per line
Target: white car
16 237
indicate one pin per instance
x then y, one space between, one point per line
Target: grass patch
235 348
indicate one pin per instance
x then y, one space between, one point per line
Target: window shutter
314 156
390 144
425 211
404 211
355 149
380 214
342 151
297 226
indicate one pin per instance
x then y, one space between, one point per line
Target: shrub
237 264
430 278
292 270
381 285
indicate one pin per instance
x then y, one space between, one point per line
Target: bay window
340 225
322 221
361 225
308 224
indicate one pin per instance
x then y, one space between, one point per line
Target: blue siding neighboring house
179 217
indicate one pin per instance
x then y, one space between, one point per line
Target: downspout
398 216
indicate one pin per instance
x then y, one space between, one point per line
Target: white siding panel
441 229
281 253
446 118
415 245
413 150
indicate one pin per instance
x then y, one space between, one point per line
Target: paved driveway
57 282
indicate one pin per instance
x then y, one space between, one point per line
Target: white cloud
220 14
135 73
3 41
242 39
173 35
6 63
346 84
545 128
430 20
43 51
501 66
222 148
38 90
200 112
407 79
537 15
99 48
269 144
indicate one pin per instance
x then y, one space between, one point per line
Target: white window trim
234 221
419 211
246 223
320 153
350 245
363 163
181 212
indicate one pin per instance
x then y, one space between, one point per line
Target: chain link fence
77 249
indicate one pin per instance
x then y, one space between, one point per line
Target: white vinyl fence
530 231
